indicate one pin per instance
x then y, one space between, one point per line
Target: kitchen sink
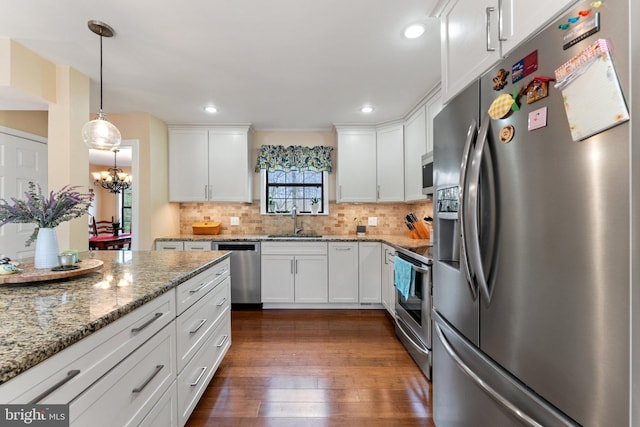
295 236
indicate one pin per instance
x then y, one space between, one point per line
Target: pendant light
114 179
100 133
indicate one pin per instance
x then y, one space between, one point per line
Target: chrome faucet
294 215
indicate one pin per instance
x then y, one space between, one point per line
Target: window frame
264 199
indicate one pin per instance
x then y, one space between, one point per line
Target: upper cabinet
209 164
476 34
356 169
370 164
390 163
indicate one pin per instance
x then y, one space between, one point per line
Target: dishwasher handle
252 247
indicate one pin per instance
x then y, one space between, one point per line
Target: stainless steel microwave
427 173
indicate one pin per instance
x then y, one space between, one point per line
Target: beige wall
23 70
34 122
156 217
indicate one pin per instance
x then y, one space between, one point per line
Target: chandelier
100 133
113 179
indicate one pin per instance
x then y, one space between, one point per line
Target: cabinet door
277 277
520 20
370 262
229 165
170 246
356 171
311 285
390 164
188 165
343 272
388 290
415 145
469 43
204 245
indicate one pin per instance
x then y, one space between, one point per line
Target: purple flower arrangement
45 211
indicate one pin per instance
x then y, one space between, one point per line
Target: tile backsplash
340 220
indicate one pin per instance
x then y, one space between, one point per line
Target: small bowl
66 260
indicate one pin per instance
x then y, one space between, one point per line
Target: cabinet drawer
165 412
197 246
170 246
92 356
195 288
198 373
128 392
294 248
196 323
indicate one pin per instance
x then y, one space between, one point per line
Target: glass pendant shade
101 134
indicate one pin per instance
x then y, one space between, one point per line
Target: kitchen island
86 328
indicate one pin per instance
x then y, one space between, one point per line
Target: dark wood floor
315 368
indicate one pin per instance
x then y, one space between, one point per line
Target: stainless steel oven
413 314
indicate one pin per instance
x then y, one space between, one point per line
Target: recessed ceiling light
414 31
210 109
366 109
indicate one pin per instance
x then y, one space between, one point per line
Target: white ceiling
278 64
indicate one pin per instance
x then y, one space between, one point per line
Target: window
294 176
126 197
282 190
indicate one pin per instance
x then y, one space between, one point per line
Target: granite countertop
420 246
42 318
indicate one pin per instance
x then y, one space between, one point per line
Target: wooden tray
30 274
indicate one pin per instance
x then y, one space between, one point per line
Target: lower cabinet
294 272
149 368
387 276
343 272
370 265
186 245
133 387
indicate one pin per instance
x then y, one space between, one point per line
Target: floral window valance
295 157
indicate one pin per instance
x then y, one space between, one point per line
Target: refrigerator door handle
472 213
518 413
462 191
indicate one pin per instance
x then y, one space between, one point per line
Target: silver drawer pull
193 291
220 273
54 387
343 249
222 341
152 376
147 323
195 383
222 301
202 322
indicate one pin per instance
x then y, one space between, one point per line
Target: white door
356 169
188 165
370 283
311 284
390 164
229 172
415 145
343 272
277 277
23 158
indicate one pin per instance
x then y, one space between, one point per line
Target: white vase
315 208
46 249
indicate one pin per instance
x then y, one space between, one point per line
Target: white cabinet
387 276
476 34
390 164
173 245
356 169
209 164
204 245
469 43
370 266
343 272
293 272
520 20
415 145
433 107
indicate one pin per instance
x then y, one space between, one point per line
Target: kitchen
151 127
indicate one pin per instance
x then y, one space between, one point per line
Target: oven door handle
421 269
418 347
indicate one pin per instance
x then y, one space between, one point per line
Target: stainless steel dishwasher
245 272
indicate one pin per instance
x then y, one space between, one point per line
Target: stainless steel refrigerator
534 284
